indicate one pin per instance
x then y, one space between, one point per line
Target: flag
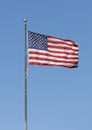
51 51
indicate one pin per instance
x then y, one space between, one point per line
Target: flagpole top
25 20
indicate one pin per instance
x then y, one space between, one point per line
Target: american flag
51 51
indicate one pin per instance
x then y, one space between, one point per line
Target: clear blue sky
58 98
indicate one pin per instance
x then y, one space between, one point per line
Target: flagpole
25 74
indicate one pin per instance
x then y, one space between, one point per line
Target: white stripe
52 53
55 39
62 45
37 50
60 40
51 63
52 58
62 50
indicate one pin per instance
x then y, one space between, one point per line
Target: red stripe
50 60
62 42
55 37
44 64
58 47
67 40
66 57
67 53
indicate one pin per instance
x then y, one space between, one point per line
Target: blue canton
37 41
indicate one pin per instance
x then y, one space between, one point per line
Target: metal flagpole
25 74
